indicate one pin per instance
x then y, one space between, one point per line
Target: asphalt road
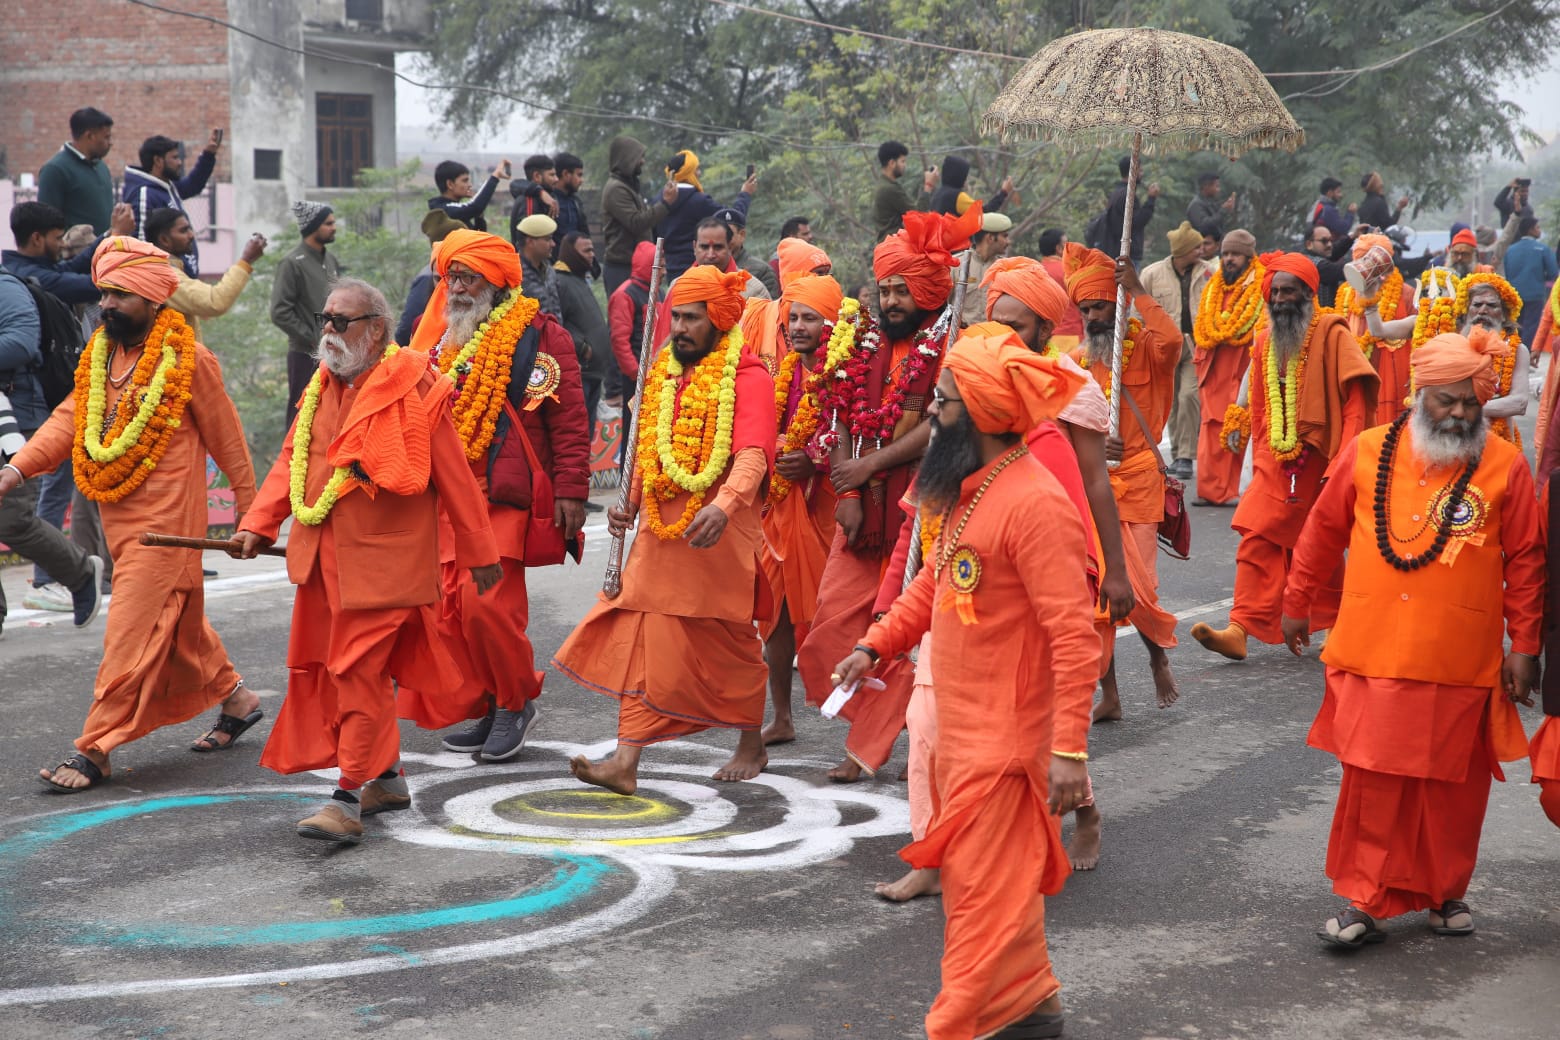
176 902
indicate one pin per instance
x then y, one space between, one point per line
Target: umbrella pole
1121 292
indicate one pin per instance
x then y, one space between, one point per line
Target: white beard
340 358
462 315
1445 448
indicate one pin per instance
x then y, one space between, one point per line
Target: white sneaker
52 596
606 412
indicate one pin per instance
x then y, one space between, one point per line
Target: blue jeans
53 501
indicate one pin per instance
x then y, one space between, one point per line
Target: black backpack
60 341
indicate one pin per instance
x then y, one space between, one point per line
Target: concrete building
304 89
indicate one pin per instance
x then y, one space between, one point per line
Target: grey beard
1481 321
462 314
1449 444
1102 346
1461 270
1289 327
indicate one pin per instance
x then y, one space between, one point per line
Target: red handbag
1175 530
518 479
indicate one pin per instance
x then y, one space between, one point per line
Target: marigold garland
481 369
298 470
803 423
1350 304
1237 420
1128 345
1283 420
689 445
1504 367
114 456
1508 293
1236 324
1438 312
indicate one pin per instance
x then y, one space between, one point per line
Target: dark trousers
614 275
35 539
300 369
53 499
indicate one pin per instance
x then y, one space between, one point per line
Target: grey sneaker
470 740
510 729
52 596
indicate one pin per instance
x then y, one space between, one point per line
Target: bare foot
780 731
1084 849
610 773
1165 690
1109 707
65 776
847 772
749 760
923 881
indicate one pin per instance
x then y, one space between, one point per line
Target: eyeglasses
464 279
1323 241
939 398
339 322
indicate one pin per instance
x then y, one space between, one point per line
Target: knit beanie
310 215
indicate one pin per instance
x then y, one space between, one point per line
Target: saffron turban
1240 239
687 172
488 255
1088 409
1365 243
126 264
922 254
1451 358
1289 263
1007 387
1091 275
719 291
1465 237
798 257
1025 280
817 291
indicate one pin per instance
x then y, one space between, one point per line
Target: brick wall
154 73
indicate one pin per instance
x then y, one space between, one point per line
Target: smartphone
751 170
217 133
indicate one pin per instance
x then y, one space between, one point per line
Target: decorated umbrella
1148 88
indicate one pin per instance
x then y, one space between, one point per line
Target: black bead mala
1384 484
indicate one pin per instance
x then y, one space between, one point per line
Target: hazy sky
417 111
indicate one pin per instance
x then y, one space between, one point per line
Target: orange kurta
1544 340
1413 708
1011 687
162 663
677 647
1220 369
797 531
1279 498
366 611
1390 358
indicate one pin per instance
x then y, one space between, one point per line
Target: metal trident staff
1121 293
612 584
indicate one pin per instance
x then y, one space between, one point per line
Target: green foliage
809 105
377 240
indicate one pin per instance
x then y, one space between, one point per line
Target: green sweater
890 203
78 187
303 281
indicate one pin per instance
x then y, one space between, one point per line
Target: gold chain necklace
950 545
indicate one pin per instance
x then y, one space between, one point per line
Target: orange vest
1441 623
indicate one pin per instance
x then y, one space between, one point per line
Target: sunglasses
339 322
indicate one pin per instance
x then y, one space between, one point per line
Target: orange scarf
389 430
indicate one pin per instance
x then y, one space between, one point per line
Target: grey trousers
38 540
1185 410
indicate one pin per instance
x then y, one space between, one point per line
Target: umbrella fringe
1074 140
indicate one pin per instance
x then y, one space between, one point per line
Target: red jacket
625 311
559 429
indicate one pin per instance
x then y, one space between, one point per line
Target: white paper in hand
843 693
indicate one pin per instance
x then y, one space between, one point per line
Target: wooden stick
173 541
612 583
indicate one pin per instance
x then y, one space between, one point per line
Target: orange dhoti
1392 367
846 594
1405 835
797 532
702 673
343 665
1269 526
1219 374
1155 622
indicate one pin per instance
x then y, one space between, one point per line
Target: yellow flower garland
1351 304
803 424
1236 420
482 370
1236 324
1283 421
684 451
160 387
1436 315
298 472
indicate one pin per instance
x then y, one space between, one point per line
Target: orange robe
1390 359
1011 687
1544 751
366 613
1544 340
797 532
486 634
1414 708
162 663
677 647
1220 369
1335 401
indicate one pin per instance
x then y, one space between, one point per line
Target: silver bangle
20 476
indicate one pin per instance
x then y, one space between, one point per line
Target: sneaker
510 729
1181 469
608 412
374 799
332 823
87 600
52 596
470 741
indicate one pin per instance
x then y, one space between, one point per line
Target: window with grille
344 137
268 164
370 11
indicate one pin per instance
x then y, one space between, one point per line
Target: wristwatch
863 648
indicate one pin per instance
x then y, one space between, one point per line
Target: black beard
1231 277
902 328
123 329
951 457
688 355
